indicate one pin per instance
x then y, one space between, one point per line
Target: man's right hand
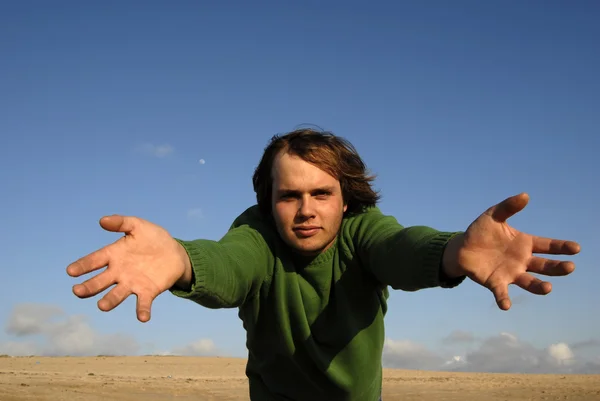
146 262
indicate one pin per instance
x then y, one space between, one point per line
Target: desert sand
151 378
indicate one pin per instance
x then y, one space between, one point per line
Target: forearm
408 258
220 275
224 273
411 259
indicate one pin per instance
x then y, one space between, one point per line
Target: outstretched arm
147 261
490 252
224 273
405 258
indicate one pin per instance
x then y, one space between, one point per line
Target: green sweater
315 327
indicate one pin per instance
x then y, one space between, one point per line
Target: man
309 267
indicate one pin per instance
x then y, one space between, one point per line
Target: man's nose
306 207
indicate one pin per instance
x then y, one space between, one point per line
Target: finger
555 246
501 294
118 223
550 267
89 263
508 207
533 284
143 307
94 285
114 298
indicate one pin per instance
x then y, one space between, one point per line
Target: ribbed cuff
197 259
433 262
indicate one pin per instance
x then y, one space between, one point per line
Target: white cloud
455 363
195 213
40 329
458 337
561 354
60 334
404 354
503 353
202 347
160 151
29 319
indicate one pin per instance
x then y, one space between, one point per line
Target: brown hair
331 153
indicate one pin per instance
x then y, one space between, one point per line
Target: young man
309 267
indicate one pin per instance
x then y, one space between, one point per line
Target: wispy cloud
407 354
195 213
459 337
46 330
160 151
202 347
591 343
61 334
502 353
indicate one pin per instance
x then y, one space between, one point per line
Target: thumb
118 223
508 207
144 307
501 295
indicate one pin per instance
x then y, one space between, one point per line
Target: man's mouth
306 231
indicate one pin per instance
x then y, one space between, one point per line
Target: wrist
185 280
451 257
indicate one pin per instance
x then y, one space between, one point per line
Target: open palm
496 255
146 262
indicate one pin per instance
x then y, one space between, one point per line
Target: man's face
307 204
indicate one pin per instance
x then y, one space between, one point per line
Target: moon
201 161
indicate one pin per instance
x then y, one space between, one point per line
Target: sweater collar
304 262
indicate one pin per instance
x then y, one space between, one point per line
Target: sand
206 379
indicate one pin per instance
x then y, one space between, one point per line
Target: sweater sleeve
228 272
405 258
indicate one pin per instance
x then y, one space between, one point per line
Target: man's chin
308 249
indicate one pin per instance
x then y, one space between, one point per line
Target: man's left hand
495 255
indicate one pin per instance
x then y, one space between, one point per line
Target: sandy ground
221 379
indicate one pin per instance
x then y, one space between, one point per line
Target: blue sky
108 108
